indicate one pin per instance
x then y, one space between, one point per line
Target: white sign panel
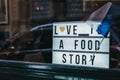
78 43
81 59
81 44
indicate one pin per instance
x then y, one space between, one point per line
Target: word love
68 28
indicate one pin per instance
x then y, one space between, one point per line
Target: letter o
89 44
83 44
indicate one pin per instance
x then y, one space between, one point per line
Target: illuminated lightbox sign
78 43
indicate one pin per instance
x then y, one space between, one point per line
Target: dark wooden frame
3 11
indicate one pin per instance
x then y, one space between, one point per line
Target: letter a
61 44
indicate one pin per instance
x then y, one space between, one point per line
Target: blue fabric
109 20
104 28
106 23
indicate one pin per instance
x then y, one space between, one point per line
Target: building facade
21 15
